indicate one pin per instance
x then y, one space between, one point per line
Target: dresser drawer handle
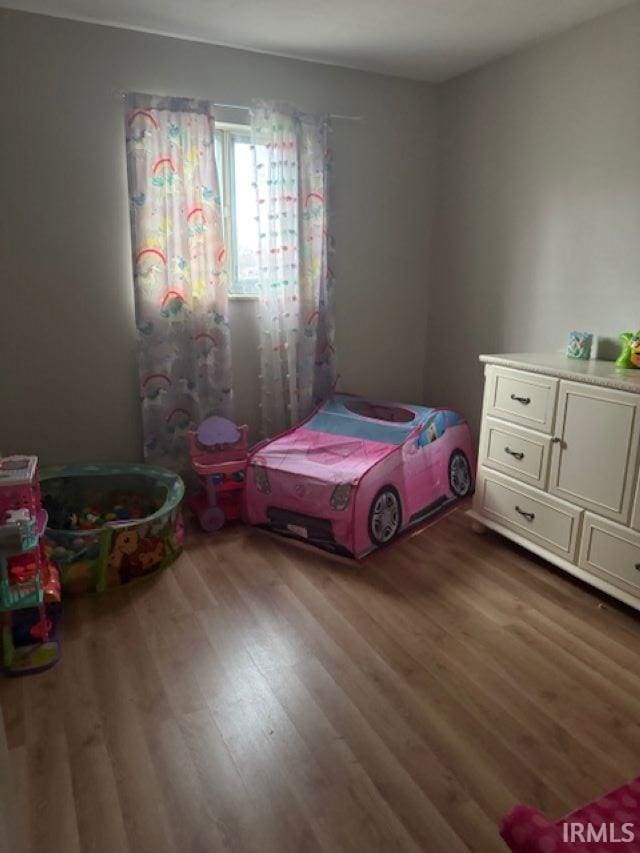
524 400
528 515
515 453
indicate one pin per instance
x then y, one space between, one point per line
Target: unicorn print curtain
179 282
297 355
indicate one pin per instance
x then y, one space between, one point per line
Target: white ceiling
424 39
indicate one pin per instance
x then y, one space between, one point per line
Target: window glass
234 162
244 225
219 155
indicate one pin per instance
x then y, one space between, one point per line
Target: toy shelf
18 538
29 583
16 596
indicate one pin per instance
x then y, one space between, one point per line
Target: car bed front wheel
459 474
385 516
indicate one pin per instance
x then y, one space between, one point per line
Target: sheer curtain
180 287
297 354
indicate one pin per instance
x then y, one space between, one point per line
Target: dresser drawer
611 552
527 399
551 523
518 452
635 521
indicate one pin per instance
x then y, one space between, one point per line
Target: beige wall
538 217
66 325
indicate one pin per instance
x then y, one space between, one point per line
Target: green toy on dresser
630 355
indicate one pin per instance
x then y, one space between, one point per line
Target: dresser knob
556 440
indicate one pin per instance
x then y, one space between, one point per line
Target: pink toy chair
218 450
611 823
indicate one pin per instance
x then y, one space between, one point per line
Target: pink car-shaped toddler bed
356 473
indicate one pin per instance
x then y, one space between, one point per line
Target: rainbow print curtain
180 286
295 317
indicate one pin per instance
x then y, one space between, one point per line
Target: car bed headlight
341 496
261 479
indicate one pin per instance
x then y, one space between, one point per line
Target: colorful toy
19 487
29 583
630 355
219 452
110 524
356 473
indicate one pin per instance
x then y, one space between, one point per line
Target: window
234 159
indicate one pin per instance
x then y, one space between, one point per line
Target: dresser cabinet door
595 447
635 520
611 552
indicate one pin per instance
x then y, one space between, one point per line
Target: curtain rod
243 107
331 115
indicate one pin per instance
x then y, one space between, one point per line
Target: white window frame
228 132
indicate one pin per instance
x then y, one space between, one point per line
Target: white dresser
558 465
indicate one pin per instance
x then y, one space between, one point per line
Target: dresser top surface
592 372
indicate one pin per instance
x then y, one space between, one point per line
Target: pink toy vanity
218 450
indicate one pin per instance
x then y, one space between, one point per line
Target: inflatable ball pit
110 524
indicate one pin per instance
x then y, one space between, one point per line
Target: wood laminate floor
257 697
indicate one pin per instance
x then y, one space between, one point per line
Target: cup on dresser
579 345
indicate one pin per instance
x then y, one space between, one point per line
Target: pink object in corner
610 824
219 451
356 473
